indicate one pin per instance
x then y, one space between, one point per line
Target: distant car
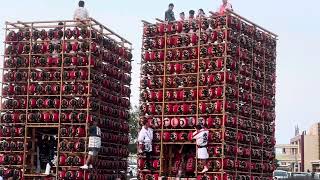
316 175
300 174
279 174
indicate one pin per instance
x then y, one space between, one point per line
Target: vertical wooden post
198 79
223 129
33 151
238 98
163 103
60 96
27 108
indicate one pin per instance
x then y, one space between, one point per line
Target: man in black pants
94 145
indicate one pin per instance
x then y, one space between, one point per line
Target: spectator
201 13
201 136
182 16
81 13
94 145
191 14
145 139
224 7
169 15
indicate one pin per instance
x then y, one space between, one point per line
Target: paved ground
301 178
128 178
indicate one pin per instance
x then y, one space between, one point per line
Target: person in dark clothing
94 145
191 14
52 161
169 15
60 26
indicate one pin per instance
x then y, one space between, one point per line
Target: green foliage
132 148
276 161
134 125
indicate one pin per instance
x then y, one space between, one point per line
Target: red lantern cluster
219 72
66 77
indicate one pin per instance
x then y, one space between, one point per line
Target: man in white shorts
145 139
94 145
201 136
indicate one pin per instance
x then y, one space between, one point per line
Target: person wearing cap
191 14
201 13
169 14
201 136
81 13
224 7
145 139
182 16
94 145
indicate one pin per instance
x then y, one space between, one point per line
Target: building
288 156
302 154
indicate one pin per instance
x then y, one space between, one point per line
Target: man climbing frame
201 136
94 145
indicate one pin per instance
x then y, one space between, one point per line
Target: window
283 163
283 150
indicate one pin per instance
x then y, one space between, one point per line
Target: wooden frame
224 112
91 25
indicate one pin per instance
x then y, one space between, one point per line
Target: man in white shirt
145 138
201 136
81 12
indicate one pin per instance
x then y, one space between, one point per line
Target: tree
276 161
134 129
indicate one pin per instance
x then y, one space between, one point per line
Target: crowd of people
170 17
200 135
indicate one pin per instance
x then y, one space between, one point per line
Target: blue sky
296 22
